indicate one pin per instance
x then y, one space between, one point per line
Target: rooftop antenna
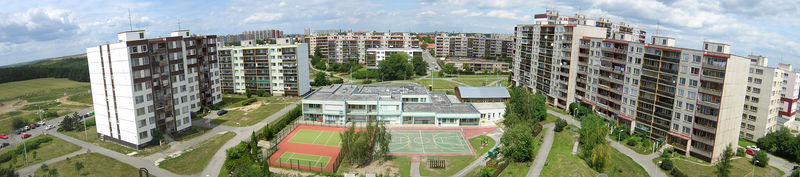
179 24
130 23
658 27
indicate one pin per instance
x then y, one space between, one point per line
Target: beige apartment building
353 46
474 45
479 65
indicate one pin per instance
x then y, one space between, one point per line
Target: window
675 126
686 130
691 95
756 90
692 83
152 120
143 135
687 118
139 99
689 106
137 87
677 115
139 111
683 81
142 123
697 59
695 70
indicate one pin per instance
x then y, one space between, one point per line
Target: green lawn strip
741 167
456 163
561 162
403 165
304 159
558 110
745 143
37 106
93 139
549 119
644 149
191 132
40 89
196 160
94 164
437 83
46 151
270 106
621 165
81 98
231 100
482 75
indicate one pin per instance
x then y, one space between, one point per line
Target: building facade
141 86
352 46
790 92
278 69
479 65
340 104
762 101
376 55
474 45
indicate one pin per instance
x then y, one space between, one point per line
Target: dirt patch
251 107
376 167
12 106
286 172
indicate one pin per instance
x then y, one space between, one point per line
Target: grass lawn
270 106
549 119
645 148
741 167
620 162
81 98
231 100
437 83
110 145
558 110
37 106
521 169
456 163
27 88
193 131
94 164
403 164
196 160
561 162
55 148
482 76
745 143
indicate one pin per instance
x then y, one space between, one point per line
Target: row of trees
361 147
781 143
76 69
397 67
595 148
524 111
245 159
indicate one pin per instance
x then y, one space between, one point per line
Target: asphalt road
431 61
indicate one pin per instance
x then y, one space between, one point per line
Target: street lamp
754 168
619 135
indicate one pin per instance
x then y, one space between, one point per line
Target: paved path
780 163
544 150
242 133
495 135
415 169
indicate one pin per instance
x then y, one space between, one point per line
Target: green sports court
304 159
324 138
442 142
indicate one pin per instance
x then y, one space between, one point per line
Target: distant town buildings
142 86
474 45
252 35
279 69
479 65
352 46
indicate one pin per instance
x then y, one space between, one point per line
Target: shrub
677 173
666 154
632 141
337 81
796 173
666 164
740 152
368 81
560 124
249 101
762 159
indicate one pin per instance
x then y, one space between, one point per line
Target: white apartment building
376 55
140 86
280 69
352 46
474 45
790 91
763 99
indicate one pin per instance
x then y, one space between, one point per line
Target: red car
25 135
3 135
750 152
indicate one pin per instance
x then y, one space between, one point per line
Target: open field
85 98
46 151
40 87
94 164
255 112
196 160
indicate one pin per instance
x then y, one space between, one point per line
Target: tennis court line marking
423 142
315 139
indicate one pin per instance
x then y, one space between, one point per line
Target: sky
31 30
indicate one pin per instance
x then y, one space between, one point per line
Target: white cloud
459 12
263 17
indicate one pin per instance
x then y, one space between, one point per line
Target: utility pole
85 131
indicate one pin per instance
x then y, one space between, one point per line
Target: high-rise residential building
263 34
763 99
141 86
690 99
352 47
279 69
544 55
790 92
479 65
376 55
474 45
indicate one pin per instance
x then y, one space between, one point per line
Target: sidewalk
541 156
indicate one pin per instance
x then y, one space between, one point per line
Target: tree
9 172
666 164
762 158
560 124
265 167
723 166
424 45
796 173
248 93
321 79
420 66
18 123
517 143
466 69
598 157
321 66
317 52
396 67
261 92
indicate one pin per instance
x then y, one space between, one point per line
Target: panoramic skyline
32 30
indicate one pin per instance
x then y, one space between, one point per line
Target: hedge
278 125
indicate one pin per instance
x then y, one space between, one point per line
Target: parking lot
16 139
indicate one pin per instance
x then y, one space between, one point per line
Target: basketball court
429 142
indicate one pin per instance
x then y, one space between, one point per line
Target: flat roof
483 92
440 104
341 92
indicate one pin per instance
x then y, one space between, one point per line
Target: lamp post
619 135
754 168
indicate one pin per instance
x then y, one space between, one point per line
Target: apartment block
407 105
544 56
474 45
264 34
140 85
352 46
479 65
279 69
376 55
790 92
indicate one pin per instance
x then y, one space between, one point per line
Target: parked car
221 112
42 123
5 145
32 126
48 127
750 152
3 135
17 131
25 135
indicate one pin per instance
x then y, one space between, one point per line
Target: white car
48 127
